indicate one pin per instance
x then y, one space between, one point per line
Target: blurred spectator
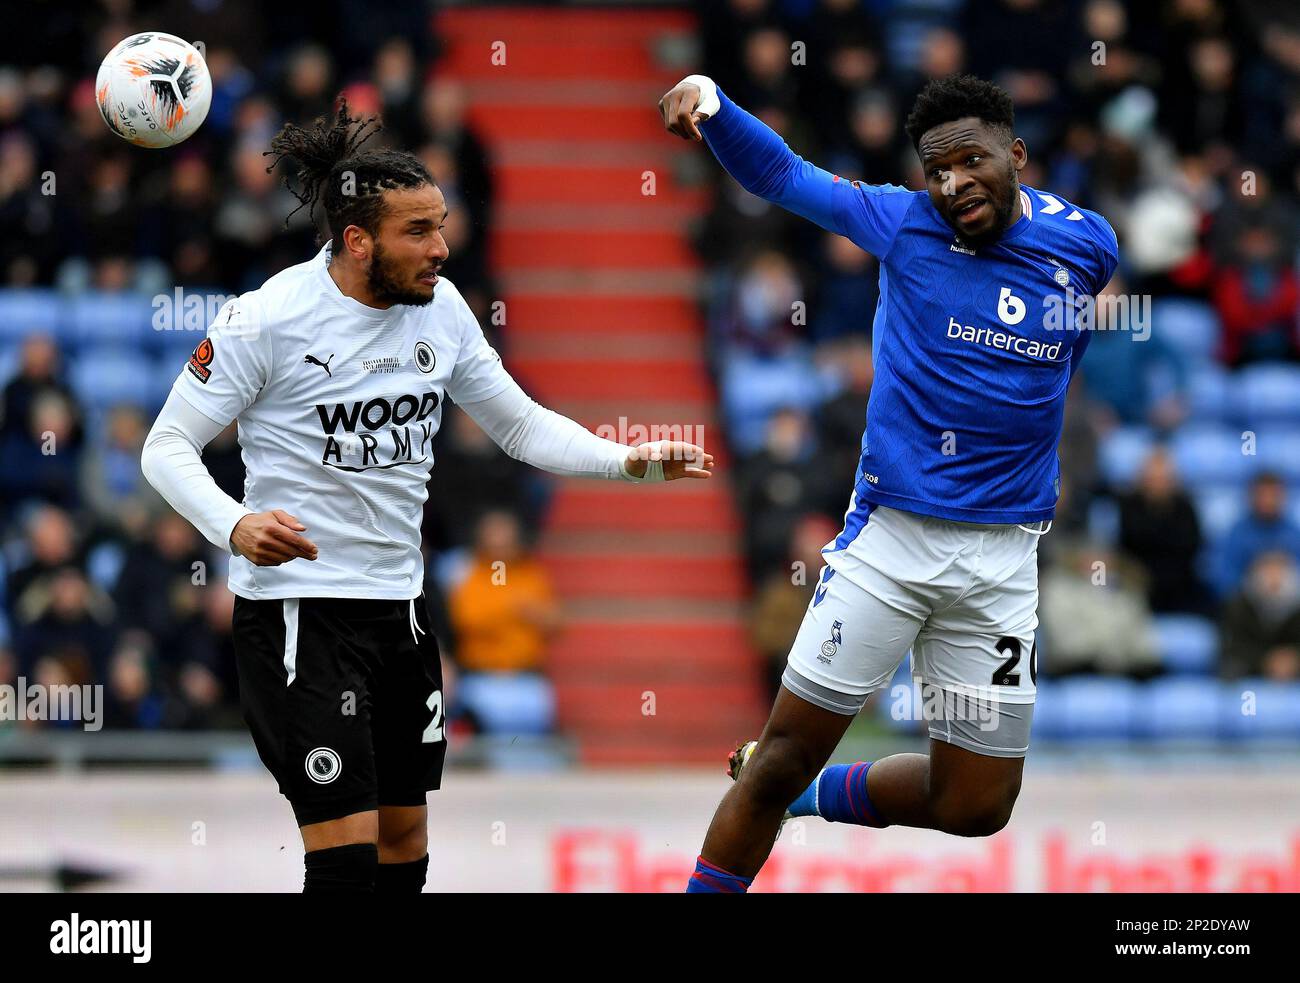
39 372
1095 618
846 292
41 456
1264 528
1129 370
1258 298
762 318
160 588
782 598
472 475
63 618
779 485
1158 528
504 613
842 419
1261 623
111 482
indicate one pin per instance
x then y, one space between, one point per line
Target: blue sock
806 804
712 879
839 795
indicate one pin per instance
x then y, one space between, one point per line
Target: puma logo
324 365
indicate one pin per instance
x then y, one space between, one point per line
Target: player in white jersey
337 370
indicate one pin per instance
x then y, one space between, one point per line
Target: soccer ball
154 89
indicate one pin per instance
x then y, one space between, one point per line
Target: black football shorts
344 700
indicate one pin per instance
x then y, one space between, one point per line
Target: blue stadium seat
1267 394
1277 449
186 327
1049 716
1259 709
1209 398
110 319
1190 327
753 389
103 377
1093 707
10 359
26 312
162 375
902 698
1208 453
1122 452
504 703
1218 506
1180 709
1188 644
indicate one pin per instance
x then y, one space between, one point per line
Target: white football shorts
962 597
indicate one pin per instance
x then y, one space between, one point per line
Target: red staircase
599 284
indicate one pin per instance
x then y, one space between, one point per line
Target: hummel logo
819 593
324 365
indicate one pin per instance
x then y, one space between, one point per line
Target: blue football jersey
974 349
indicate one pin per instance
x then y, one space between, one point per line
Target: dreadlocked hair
332 171
956 97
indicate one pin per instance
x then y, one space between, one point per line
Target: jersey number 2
433 733
1010 647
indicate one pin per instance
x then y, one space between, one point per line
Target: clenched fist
268 539
680 109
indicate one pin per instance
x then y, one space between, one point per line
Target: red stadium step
621 347
627 576
589 509
592 186
596 652
593 27
649 250
586 313
609 379
497 121
554 58
651 705
601 322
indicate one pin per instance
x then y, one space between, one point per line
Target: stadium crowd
1177 540
101 581
1176 543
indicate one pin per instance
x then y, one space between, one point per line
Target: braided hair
334 172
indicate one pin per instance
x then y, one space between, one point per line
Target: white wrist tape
709 103
654 470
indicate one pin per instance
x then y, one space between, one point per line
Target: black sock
407 878
348 869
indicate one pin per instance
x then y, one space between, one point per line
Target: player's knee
780 769
402 843
970 816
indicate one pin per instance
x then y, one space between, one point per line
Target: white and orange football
154 89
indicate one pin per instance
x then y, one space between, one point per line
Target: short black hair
332 170
956 97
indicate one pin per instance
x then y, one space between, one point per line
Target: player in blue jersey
985 295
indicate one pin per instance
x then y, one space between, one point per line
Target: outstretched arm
543 438
756 156
750 151
482 387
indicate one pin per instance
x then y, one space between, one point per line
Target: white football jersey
337 405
